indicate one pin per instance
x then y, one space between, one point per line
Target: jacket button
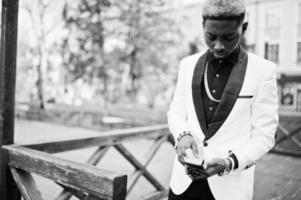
205 144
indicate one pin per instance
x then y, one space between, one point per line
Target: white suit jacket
244 123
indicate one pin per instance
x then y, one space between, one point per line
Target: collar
231 59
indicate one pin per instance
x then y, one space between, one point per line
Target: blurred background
97 65
103 53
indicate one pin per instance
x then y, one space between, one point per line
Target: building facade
275 33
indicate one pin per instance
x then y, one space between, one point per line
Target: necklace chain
207 86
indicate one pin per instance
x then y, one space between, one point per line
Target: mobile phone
193 161
194 165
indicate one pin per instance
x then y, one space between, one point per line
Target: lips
219 55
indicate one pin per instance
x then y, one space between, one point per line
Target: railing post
9 29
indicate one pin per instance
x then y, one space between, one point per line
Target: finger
205 165
190 170
212 171
198 174
181 151
194 168
196 171
187 171
203 176
192 177
209 164
181 159
191 174
203 172
195 150
198 177
181 154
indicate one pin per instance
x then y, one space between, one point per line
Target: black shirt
218 73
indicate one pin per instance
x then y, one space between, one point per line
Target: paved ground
277 177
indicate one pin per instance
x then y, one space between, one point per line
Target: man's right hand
184 143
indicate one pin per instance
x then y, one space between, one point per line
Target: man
224 104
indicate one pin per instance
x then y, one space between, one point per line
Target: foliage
36 47
118 43
100 51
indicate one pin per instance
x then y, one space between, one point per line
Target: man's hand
215 166
184 143
195 173
210 168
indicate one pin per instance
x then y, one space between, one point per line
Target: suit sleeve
264 122
177 114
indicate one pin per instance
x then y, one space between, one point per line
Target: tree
83 46
147 33
39 48
116 43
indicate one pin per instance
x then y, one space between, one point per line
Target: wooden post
9 29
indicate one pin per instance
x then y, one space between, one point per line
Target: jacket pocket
245 96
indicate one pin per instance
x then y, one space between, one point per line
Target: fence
84 180
288 138
88 182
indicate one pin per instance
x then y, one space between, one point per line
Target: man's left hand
211 168
215 166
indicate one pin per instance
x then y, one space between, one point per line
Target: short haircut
224 9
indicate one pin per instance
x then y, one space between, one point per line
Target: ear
203 22
244 27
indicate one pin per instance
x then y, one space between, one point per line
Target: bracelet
183 134
232 163
232 155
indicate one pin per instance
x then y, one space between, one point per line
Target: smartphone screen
194 165
192 160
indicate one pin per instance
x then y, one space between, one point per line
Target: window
299 36
271 52
299 52
272 24
299 21
287 95
272 34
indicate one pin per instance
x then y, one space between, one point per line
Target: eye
230 37
210 36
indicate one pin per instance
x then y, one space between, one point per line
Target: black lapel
196 91
230 94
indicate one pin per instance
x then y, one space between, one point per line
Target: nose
219 46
